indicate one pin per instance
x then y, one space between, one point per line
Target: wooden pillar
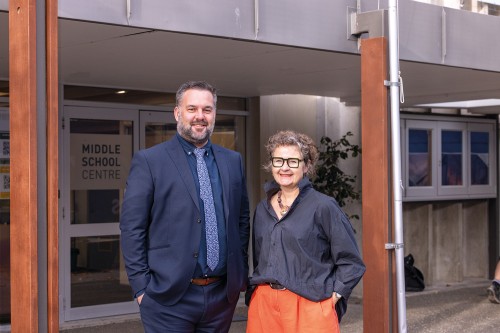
378 312
52 84
23 166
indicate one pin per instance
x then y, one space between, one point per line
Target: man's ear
176 113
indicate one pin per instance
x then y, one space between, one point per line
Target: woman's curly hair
306 145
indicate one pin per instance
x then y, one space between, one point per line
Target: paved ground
445 309
441 309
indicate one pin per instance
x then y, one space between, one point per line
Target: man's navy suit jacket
161 223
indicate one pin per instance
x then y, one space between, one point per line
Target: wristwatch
337 295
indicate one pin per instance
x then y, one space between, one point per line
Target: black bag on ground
414 279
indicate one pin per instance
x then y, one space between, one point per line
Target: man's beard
192 136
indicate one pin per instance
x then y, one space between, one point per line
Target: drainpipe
373 23
397 182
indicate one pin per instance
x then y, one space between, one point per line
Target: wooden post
23 166
52 166
378 314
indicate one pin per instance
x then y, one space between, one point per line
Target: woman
306 260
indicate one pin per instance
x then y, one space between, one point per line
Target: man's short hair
199 85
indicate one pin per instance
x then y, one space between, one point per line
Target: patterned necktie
208 202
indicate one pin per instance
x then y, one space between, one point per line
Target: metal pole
396 162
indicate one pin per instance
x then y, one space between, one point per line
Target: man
494 289
185 224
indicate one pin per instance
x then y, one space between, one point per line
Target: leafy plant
330 179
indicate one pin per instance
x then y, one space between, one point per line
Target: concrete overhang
273 48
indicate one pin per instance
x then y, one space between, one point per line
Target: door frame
139 115
67 231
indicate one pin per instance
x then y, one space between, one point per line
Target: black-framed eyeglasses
279 161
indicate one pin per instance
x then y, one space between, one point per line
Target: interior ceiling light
121 92
479 103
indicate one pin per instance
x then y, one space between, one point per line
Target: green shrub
330 179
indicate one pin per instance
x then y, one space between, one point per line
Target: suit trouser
282 311
202 309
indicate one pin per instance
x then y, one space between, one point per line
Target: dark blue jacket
161 226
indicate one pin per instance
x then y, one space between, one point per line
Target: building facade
277 65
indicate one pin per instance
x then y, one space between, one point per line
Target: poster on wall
99 161
4 165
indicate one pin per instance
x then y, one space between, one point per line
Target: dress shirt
311 250
202 268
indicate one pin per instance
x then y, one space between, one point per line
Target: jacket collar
272 187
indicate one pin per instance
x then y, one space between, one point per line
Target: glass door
97 150
156 127
98 144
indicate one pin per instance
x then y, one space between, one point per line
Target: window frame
452 190
420 191
492 153
437 191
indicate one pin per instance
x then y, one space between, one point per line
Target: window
448 158
451 164
421 158
482 159
479 158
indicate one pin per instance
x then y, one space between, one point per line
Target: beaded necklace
283 208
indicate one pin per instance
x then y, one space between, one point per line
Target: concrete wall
287 112
448 239
340 119
316 117
252 152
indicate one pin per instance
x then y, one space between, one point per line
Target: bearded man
185 223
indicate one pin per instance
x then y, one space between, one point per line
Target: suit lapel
178 155
222 165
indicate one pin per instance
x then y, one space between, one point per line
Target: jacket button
195 254
199 221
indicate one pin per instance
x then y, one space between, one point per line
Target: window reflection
451 158
100 154
4 273
4 219
96 275
479 159
229 132
419 158
158 132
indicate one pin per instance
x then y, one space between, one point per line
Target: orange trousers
282 311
